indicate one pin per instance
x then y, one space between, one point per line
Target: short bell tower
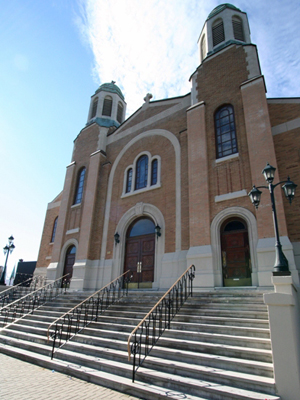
107 107
225 25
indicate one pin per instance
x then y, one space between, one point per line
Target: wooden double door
139 259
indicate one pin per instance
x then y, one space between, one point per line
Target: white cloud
152 46
144 47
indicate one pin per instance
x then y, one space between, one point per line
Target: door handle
139 267
224 260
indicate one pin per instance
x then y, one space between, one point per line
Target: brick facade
197 193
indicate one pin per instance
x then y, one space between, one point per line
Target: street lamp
7 250
281 266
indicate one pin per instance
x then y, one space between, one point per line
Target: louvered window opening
238 30
203 48
107 107
94 109
218 33
120 113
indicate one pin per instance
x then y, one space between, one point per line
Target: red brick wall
287 147
218 82
46 246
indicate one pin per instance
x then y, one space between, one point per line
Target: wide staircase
218 346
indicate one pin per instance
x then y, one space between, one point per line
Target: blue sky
55 54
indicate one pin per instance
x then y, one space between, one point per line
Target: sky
56 53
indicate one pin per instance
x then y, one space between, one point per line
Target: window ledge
146 189
232 195
76 205
219 160
70 231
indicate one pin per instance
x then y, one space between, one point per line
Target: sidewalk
20 380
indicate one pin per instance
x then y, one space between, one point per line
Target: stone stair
218 347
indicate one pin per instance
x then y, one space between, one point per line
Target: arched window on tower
94 108
141 172
238 30
107 106
54 230
120 112
226 142
203 48
79 187
218 32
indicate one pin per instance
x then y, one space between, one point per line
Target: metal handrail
146 333
31 301
80 316
9 293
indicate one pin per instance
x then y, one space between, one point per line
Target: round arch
175 143
63 253
216 224
139 210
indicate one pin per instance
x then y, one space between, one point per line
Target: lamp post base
281 273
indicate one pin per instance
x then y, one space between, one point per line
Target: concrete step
223 320
218 346
170 386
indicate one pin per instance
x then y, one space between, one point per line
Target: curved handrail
81 311
31 301
169 315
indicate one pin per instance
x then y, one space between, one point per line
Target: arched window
203 48
154 166
120 112
79 187
218 32
54 230
143 174
142 226
129 180
94 108
238 30
226 142
141 178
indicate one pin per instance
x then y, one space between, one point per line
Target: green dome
220 8
112 88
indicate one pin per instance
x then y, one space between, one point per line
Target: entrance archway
140 252
69 262
236 262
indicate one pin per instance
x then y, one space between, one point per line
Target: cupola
225 25
108 107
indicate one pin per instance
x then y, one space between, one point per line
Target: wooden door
140 249
69 262
236 259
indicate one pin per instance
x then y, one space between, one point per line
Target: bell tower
107 107
225 25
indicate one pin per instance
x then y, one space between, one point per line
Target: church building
168 186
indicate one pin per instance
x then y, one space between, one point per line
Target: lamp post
281 266
7 250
